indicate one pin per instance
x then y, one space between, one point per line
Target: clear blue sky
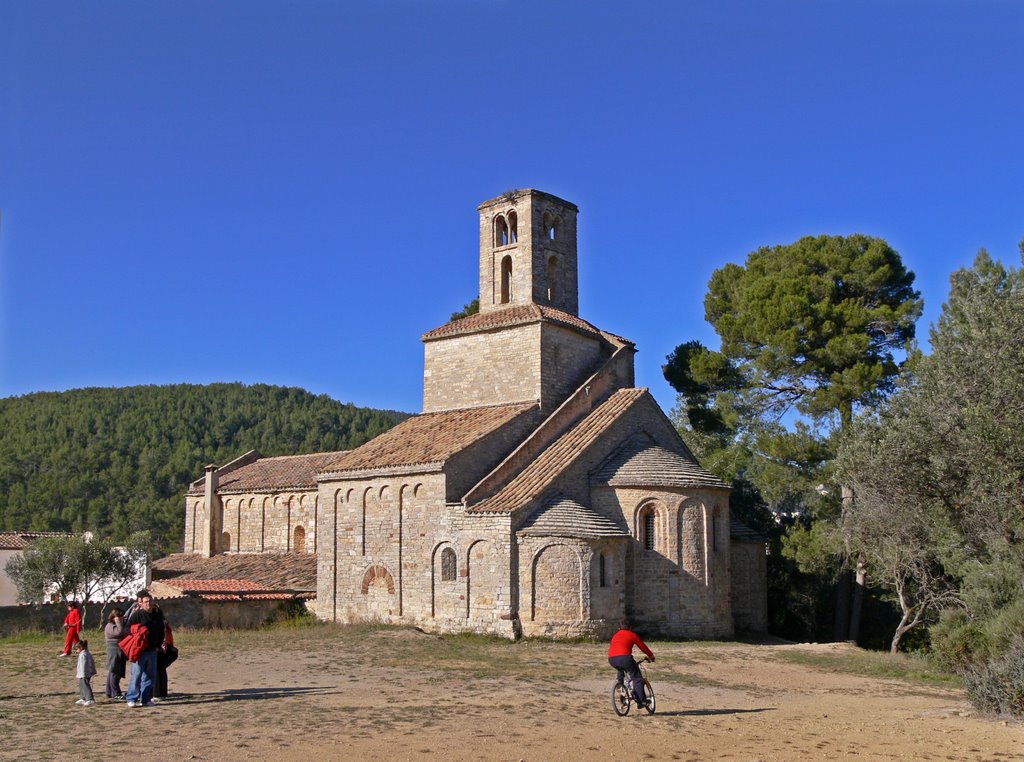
286 192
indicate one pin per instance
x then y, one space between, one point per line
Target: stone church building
539 493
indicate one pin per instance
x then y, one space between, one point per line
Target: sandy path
324 693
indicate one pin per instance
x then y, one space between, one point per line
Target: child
73 624
86 669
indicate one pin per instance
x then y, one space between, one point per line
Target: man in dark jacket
143 674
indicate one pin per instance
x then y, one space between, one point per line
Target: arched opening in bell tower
500 231
554 287
506 280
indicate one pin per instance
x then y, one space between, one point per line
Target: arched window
449 565
225 541
500 231
299 542
506 280
601 578
553 228
513 227
553 284
647 527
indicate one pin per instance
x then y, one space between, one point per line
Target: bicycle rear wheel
620 700
650 696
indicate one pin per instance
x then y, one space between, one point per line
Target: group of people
142 637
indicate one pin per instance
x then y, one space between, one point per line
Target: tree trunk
858 602
841 623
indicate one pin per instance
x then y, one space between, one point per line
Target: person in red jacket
73 624
620 656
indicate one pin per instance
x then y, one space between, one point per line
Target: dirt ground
326 693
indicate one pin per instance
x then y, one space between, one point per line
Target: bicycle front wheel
620 700
650 696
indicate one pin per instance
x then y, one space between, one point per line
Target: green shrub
997 686
958 642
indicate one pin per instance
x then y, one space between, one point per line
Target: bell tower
528 252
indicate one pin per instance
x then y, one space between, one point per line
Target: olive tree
77 567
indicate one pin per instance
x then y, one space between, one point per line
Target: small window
553 285
601 579
553 229
513 227
506 280
225 541
500 231
449 565
299 543
647 528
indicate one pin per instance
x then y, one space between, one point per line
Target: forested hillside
118 460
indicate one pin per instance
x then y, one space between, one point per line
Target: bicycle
622 693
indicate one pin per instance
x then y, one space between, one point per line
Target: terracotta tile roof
537 477
271 474
520 314
429 438
642 463
256 596
187 585
562 517
271 571
21 540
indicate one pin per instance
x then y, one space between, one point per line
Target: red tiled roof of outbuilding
21 540
272 571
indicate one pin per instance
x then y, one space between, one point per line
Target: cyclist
620 656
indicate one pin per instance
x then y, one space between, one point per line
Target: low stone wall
182 612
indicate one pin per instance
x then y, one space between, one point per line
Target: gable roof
520 314
537 477
562 517
429 438
642 463
272 474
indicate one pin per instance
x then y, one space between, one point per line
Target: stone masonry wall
488 368
381 545
749 586
682 586
529 253
561 590
257 522
567 359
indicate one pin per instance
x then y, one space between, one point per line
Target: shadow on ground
249 694
710 712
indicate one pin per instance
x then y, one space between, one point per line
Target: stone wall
750 586
487 368
382 547
530 250
181 612
567 358
562 590
257 522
